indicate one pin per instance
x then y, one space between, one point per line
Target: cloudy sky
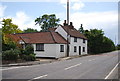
100 15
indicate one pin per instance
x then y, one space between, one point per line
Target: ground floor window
75 49
61 48
83 49
39 47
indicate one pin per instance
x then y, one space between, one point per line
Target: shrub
28 50
28 53
9 46
30 57
10 54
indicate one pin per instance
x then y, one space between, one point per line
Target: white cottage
54 43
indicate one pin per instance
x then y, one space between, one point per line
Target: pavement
89 67
40 61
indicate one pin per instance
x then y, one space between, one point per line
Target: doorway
79 50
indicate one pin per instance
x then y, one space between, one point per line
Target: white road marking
72 66
91 60
40 77
14 68
112 71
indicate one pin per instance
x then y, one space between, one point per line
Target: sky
99 15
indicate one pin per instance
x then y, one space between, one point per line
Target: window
39 47
75 49
61 48
83 49
75 39
83 40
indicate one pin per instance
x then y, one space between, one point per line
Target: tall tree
97 42
8 28
47 21
29 30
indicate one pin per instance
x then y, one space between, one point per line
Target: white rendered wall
77 44
50 50
62 32
61 54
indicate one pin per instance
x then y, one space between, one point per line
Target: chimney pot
64 23
71 24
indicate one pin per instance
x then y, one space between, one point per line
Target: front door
79 50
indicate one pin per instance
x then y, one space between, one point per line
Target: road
104 66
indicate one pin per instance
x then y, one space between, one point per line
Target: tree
97 42
8 28
47 21
118 47
108 45
29 30
81 30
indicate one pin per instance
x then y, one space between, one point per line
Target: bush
30 57
10 54
9 46
28 50
28 53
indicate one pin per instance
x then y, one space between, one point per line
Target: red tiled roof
39 37
73 32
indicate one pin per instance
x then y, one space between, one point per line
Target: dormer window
75 39
83 40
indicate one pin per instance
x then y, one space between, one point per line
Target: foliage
11 54
8 28
47 21
28 53
29 30
30 57
118 47
28 49
81 30
9 46
97 42
108 45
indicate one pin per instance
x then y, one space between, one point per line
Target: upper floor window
75 39
61 48
39 47
83 40
75 49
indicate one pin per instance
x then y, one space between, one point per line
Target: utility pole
68 12
67 28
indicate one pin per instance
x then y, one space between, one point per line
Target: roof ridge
30 32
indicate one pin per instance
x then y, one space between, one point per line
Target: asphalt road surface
104 66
